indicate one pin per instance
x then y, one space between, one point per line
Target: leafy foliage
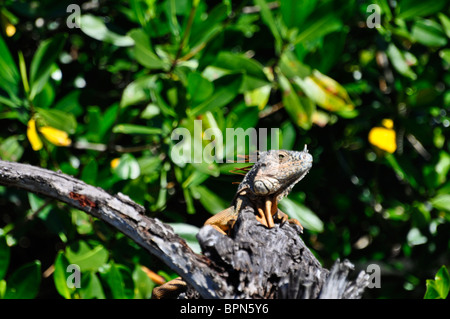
440 286
101 102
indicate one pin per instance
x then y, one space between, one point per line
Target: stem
186 34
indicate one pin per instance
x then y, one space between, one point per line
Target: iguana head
276 172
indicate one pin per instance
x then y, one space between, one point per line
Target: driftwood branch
123 214
253 262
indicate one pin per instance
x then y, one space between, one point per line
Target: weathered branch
123 214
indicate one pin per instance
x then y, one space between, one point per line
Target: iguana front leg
272 211
283 217
224 220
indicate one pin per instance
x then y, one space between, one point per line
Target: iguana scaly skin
270 179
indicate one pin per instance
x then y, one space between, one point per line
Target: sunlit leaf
440 286
4 256
61 274
10 149
95 27
24 282
258 97
135 129
188 233
144 53
45 56
128 167
410 9
85 257
303 214
429 32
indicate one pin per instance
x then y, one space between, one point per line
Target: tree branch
123 214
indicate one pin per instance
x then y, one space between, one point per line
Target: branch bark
122 213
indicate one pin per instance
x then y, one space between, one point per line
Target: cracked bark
254 262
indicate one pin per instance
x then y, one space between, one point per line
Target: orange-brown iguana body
270 179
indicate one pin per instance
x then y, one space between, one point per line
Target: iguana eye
281 156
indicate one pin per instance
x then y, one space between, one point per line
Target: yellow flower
10 30
384 137
53 135
32 135
388 123
115 163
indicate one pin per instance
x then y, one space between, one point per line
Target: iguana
269 180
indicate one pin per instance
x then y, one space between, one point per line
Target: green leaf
4 256
202 32
440 286
137 91
429 33
291 67
210 200
269 20
128 167
221 97
89 173
91 287
9 74
135 129
70 103
144 53
2 288
87 259
415 237
149 164
325 92
441 202
60 276
300 109
295 12
95 28
399 62
403 171
303 214
240 63
318 26
188 233
41 64
82 221
445 21
199 88
442 167
410 9
142 283
11 150
113 277
57 119
24 282
258 97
